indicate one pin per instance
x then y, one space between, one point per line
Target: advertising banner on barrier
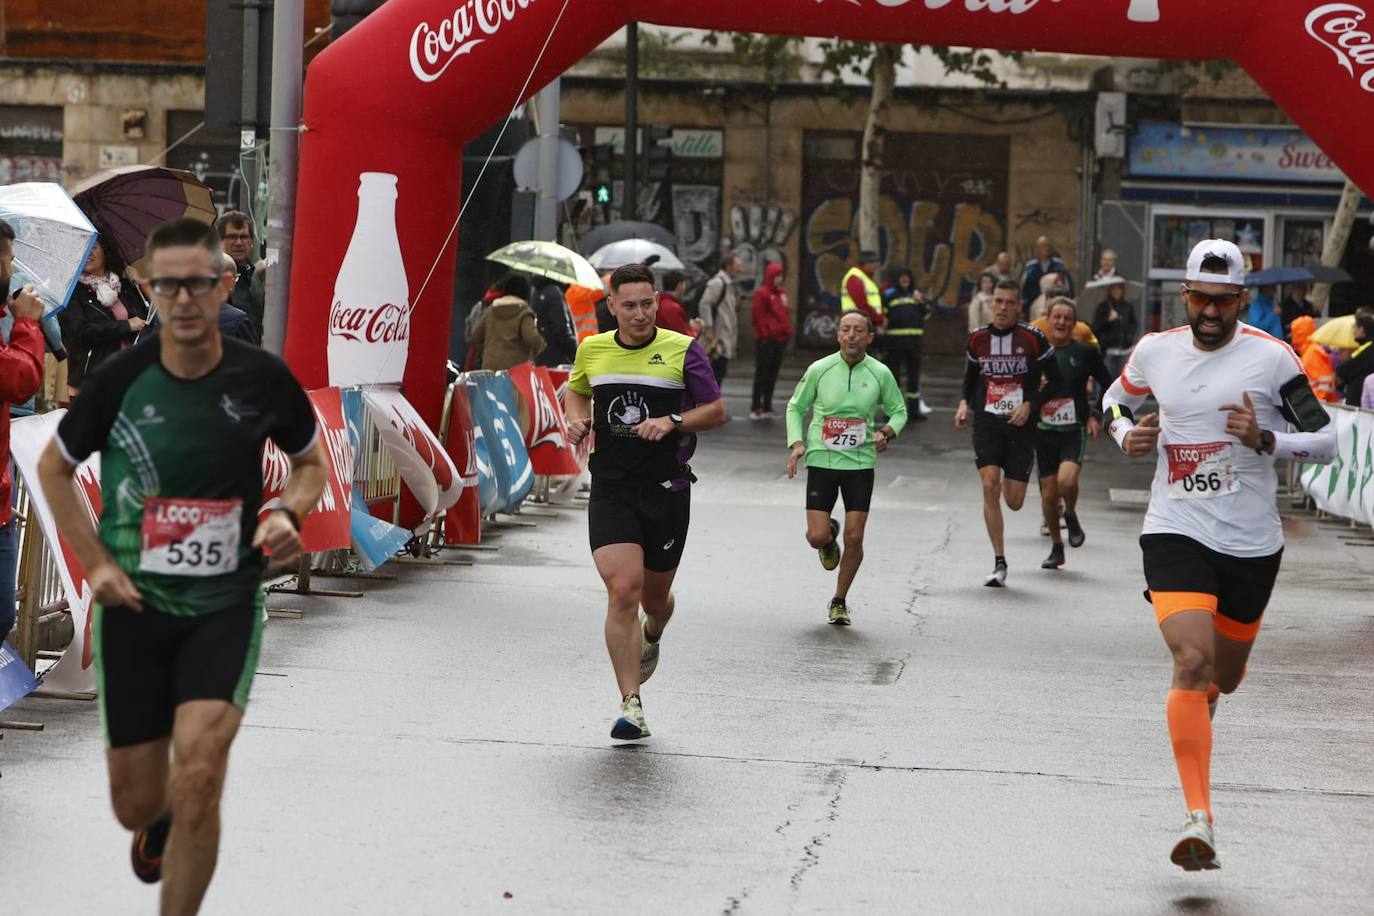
375 540
1345 487
424 464
29 436
327 527
463 520
506 418
547 439
16 680
560 377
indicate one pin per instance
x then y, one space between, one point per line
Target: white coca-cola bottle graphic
369 320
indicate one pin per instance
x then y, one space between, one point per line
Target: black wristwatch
291 515
1267 441
677 419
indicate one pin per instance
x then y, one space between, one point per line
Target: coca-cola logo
1137 11
1337 26
380 324
434 48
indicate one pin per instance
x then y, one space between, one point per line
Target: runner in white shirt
1212 539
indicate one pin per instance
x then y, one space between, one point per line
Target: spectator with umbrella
507 334
106 314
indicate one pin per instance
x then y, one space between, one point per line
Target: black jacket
90 331
236 323
555 324
250 294
1353 371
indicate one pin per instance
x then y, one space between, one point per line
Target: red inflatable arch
390 105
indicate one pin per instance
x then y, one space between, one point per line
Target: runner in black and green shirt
645 393
176 567
1065 422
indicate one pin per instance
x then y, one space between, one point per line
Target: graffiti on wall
758 233
942 213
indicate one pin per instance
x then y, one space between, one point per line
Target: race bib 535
191 537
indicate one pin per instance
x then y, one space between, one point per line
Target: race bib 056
191 537
1004 397
843 434
1203 471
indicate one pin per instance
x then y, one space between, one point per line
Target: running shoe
1055 559
998 577
631 725
756 414
770 414
648 653
1076 535
839 613
146 852
923 409
1196 848
830 554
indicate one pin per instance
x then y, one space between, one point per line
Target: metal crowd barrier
40 585
1358 516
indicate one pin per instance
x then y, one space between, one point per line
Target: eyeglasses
237 237
171 287
1200 300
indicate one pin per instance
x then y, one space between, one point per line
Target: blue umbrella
1272 276
53 239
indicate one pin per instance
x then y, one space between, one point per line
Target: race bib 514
1059 412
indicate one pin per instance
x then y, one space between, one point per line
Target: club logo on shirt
625 412
150 417
656 360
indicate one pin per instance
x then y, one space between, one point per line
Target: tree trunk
1333 249
875 134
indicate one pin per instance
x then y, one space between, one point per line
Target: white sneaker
630 726
1196 848
998 577
648 653
923 408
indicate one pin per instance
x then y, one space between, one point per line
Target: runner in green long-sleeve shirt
843 391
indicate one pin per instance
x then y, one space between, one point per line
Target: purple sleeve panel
698 377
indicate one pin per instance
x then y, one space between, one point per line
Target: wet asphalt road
443 742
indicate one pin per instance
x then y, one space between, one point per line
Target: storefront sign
1163 150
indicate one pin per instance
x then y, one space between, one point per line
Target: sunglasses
172 286
1200 300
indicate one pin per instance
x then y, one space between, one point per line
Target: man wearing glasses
176 567
1212 538
249 293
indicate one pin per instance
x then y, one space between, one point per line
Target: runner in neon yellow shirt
843 391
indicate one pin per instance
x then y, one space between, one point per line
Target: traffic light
601 173
658 153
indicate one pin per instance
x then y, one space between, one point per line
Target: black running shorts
1053 447
825 485
149 663
647 514
996 443
1183 574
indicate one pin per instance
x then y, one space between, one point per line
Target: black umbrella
1323 274
623 229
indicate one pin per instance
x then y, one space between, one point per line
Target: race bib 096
1004 397
843 434
191 537
1203 471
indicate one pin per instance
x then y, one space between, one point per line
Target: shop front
1270 190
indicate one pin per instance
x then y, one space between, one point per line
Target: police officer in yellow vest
906 311
859 291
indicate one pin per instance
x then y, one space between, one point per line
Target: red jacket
21 374
672 316
772 314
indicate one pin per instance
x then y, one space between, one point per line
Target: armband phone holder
1301 407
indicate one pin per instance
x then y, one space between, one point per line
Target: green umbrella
549 260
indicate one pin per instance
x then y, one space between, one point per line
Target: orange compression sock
1190 731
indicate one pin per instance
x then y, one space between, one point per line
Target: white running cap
1218 248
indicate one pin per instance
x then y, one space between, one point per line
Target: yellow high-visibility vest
875 295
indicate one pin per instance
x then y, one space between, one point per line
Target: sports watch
677 419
